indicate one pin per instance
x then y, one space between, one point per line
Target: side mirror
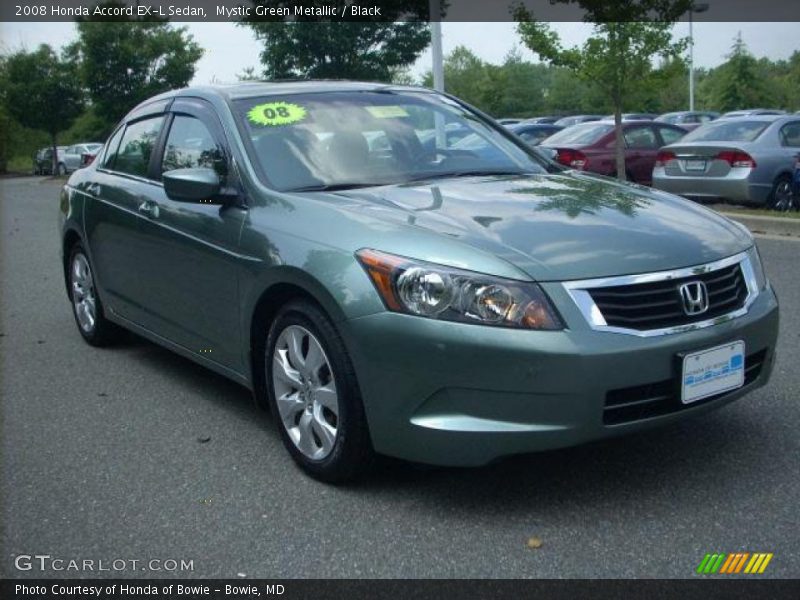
200 185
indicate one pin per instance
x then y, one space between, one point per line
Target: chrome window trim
578 291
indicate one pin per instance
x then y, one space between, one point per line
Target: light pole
695 8
434 16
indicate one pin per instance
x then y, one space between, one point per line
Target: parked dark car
448 307
688 119
796 182
590 147
575 119
546 120
43 161
534 133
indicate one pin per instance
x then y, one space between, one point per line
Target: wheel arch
71 237
292 285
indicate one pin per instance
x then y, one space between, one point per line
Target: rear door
189 262
117 190
642 144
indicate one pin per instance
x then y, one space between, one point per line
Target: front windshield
358 139
585 133
736 130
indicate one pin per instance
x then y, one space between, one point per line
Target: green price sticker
273 114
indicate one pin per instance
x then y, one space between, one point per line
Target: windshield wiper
334 187
469 173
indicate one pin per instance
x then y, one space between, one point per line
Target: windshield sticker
274 114
387 112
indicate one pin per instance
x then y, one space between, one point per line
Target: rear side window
191 145
670 136
587 133
137 145
790 135
728 130
640 137
111 149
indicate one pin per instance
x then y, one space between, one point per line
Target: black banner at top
381 10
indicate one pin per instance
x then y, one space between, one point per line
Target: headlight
758 268
439 292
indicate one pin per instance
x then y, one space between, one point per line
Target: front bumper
458 394
736 186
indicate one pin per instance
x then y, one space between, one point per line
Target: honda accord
383 296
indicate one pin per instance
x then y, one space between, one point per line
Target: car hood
557 227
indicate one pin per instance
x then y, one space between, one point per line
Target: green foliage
88 127
41 90
365 50
743 81
125 62
738 83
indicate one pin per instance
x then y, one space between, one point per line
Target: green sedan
385 290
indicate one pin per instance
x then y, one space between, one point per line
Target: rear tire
781 198
314 396
87 309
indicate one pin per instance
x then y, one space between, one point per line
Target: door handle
149 209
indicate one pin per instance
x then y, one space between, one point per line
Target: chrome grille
658 304
650 304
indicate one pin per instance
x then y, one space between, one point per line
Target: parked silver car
72 158
752 112
747 160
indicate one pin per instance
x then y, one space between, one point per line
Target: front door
190 262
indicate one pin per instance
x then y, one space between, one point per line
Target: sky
230 49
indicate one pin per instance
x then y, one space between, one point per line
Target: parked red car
590 147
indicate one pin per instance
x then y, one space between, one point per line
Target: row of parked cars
748 156
69 158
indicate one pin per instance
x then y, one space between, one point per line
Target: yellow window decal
274 114
387 112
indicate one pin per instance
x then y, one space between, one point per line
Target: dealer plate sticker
712 371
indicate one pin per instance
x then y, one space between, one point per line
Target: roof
250 89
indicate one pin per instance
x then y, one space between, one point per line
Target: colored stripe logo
735 562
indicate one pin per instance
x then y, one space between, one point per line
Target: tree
627 35
739 82
126 61
365 49
465 77
41 91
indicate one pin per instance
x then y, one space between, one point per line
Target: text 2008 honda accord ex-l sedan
386 289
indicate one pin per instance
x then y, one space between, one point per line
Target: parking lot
134 453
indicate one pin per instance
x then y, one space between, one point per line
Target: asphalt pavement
133 453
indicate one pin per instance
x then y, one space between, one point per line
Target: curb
785 226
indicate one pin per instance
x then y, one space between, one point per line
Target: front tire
86 306
314 395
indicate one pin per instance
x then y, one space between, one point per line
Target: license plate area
712 371
695 165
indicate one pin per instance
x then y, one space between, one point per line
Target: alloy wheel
305 392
